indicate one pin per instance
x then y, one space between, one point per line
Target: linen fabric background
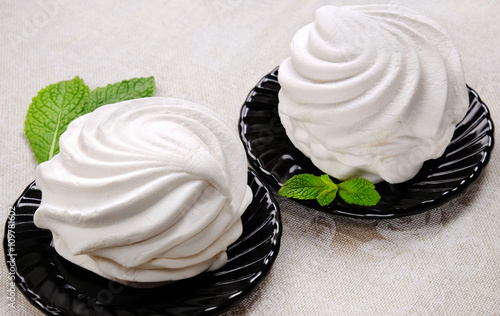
442 262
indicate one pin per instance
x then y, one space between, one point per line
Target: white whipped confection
371 91
146 190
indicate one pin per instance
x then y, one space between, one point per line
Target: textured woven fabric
443 262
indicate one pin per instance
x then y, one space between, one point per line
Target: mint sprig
50 112
135 88
56 105
357 191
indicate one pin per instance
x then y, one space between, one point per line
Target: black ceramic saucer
274 157
58 287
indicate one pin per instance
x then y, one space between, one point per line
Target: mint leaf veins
49 114
135 88
356 191
56 105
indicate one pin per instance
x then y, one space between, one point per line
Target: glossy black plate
274 157
58 287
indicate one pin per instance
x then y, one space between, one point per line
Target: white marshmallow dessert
145 191
371 91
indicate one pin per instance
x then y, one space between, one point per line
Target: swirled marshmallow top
147 190
371 91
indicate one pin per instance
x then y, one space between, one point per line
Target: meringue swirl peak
145 191
371 91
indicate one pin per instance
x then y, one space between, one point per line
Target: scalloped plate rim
274 212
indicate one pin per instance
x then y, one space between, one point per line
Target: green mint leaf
303 187
121 91
49 114
310 187
329 192
326 179
58 104
358 191
327 196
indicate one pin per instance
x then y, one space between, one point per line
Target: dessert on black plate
145 191
59 287
375 92
148 208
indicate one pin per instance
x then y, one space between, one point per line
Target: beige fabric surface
443 262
